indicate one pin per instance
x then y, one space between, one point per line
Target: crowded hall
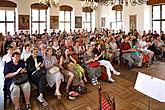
82 54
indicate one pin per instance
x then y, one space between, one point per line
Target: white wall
23 8
143 13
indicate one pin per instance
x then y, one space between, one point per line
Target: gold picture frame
23 22
132 22
54 22
103 22
78 22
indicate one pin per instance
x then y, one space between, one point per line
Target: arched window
38 18
158 18
118 16
87 18
65 15
7 17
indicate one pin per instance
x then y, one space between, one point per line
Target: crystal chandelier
49 2
89 3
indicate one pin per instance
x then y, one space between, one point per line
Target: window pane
42 15
10 15
2 29
34 27
83 16
113 25
156 26
61 26
88 26
35 14
67 27
67 16
88 17
2 15
156 12
163 11
10 28
118 15
42 27
119 25
163 26
61 16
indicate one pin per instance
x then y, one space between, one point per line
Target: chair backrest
106 102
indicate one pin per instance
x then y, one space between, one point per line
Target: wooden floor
126 97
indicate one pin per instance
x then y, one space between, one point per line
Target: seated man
37 74
125 50
16 70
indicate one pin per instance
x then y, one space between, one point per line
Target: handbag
94 64
20 78
54 70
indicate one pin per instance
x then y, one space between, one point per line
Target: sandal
58 95
28 107
42 101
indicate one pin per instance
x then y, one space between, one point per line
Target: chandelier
138 2
113 2
49 2
89 3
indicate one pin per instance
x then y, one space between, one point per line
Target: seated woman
93 72
26 52
108 54
37 74
16 71
53 76
115 50
73 65
98 53
137 53
144 48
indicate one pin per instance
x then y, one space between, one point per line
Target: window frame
86 21
6 21
160 20
39 21
116 18
64 22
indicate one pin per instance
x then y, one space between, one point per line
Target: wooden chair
105 101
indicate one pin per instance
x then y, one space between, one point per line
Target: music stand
150 86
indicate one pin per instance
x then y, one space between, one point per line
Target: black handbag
20 78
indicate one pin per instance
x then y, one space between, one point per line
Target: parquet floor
126 97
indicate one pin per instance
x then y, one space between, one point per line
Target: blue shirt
10 67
